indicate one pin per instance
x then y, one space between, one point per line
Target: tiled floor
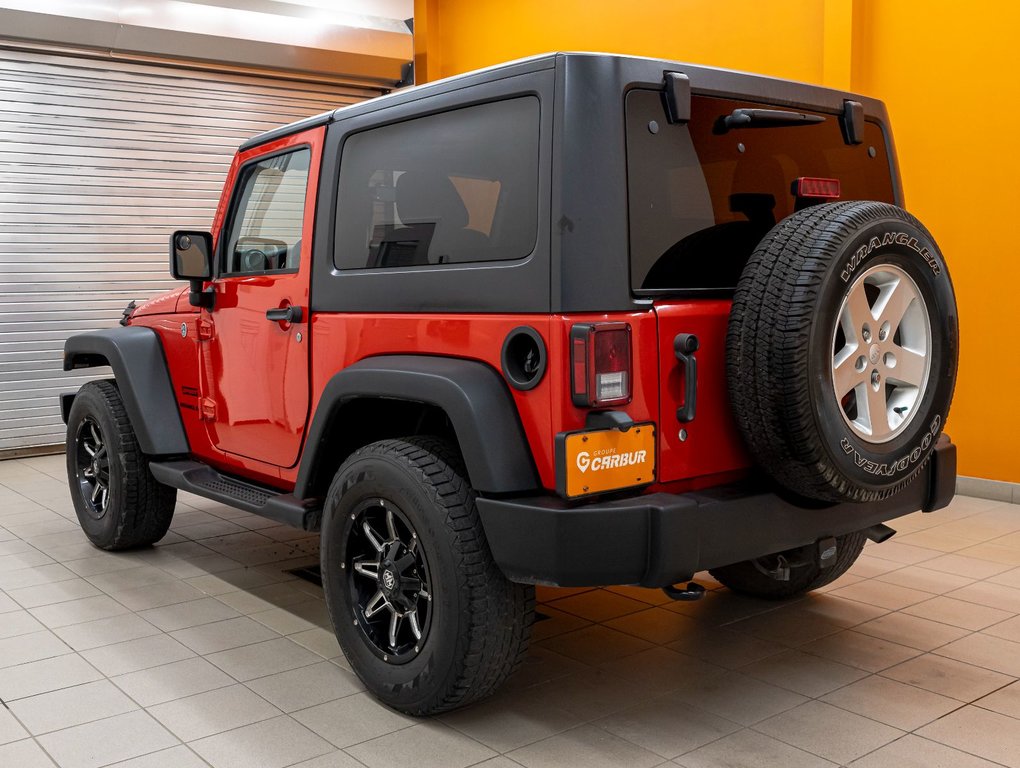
204 651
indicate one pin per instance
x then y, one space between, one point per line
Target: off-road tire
480 623
140 508
781 362
748 578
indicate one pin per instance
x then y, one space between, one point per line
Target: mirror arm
201 297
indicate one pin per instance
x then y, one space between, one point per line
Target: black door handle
685 345
288 314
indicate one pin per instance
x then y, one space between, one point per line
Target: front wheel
423 614
119 503
759 577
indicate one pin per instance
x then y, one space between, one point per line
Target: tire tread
771 319
498 614
148 505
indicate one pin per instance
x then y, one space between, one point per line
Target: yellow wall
949 75
467 34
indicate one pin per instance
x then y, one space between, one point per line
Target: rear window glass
701 198
461 186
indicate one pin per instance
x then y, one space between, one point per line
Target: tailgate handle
685 345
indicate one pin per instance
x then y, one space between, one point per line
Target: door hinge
208 409
205 328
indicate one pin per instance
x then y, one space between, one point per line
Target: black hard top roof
520 66
715 79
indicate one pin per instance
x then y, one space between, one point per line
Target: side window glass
265 229
460 186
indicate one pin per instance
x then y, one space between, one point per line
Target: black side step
202 480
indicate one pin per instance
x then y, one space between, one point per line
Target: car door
256 348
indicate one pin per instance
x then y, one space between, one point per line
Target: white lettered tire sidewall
905 244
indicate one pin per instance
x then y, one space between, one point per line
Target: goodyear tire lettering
897 465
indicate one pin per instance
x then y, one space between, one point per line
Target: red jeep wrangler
575 320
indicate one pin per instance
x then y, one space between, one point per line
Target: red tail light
600 364
809 186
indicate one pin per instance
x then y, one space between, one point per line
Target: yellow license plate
606 460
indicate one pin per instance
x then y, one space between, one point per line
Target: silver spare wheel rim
881 353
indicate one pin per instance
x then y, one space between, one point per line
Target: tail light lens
600 364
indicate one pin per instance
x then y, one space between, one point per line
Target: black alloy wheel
118 502
421 610
391 588
92 459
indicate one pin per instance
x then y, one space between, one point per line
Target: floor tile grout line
225 730
36 737
916 735
936 621
45 751
963 705
822 757
143 708
973 664
880 672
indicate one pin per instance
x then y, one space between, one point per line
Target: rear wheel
423 614
118 502
760 577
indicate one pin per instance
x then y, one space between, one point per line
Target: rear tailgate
709 443
702 195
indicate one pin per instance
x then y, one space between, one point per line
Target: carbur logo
609 460
583 461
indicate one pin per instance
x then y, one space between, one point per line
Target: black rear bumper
660 539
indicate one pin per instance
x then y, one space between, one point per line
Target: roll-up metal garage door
100 159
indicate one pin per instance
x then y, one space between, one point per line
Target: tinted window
265 231
701 198
461 186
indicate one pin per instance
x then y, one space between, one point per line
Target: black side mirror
191 255
191 259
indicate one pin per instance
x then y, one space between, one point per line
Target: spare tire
842 350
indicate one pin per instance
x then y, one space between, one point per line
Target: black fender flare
135 354
472 394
